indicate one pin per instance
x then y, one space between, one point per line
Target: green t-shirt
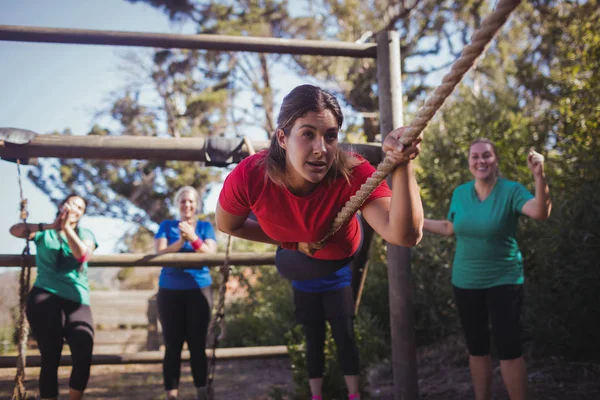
487 253
58 271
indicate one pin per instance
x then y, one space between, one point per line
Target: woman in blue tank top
184 295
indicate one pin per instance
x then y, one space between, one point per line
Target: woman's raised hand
399 153
535 162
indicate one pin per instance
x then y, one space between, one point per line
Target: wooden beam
156 357
404 353
202 41
179 260
140 148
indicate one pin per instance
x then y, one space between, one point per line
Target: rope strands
24 281
479 42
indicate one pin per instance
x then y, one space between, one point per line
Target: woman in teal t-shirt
487 272
184 296
58 305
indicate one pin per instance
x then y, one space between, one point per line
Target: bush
264 314
563 278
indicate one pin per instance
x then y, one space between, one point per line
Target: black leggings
503 305
342 329
337 307
184 316
52 320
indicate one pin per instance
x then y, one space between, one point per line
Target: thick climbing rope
480 40
220 309
24 281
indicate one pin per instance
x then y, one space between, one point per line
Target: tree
559 74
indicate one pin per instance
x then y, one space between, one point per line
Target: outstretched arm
20 230
241 226
440 226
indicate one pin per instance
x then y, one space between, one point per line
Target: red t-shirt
285 217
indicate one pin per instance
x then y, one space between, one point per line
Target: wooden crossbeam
156 357
201 41
141 148
180 260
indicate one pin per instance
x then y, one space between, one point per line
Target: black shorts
500 304
311 306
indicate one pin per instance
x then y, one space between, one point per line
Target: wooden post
404 358
153 338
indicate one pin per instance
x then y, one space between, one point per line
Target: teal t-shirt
58 271
487 253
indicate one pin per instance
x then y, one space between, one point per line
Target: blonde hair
186 189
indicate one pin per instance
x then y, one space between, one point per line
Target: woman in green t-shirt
487 272
58 306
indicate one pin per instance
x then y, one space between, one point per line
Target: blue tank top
179 278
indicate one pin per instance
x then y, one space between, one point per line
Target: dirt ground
443 375
240 379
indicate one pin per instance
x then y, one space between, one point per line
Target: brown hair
486 141
296 104
65 200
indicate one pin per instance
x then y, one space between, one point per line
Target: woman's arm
440 226
240 226
80 248
161 247
20 230
539 207
399 219
188 234
208 246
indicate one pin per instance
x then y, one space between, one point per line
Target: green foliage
434 310
263 312
563 272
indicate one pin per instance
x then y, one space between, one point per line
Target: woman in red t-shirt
296 188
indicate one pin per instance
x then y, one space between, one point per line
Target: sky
47 87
